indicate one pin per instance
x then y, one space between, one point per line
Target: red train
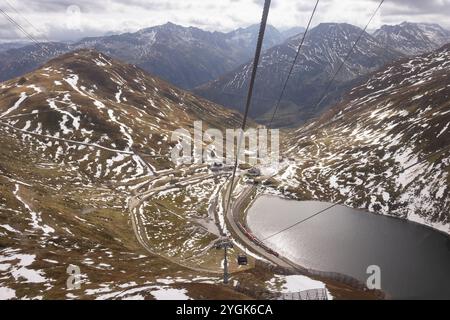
255 240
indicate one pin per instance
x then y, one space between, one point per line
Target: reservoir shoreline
363 235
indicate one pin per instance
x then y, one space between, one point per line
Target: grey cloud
106 16
51 6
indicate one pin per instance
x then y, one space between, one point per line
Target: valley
88 181
85 183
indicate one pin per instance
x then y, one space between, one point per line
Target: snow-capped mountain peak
324 49
413 38
184 56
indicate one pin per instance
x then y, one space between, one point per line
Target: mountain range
324 49
413 38
186 57
5 46
190 57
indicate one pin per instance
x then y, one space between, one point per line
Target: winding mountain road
138 226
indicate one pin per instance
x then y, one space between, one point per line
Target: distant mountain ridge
324 49
4 46
292 32
184 56
413 38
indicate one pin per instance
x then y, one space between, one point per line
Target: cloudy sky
73 19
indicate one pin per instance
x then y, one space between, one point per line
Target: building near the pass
220 167
254 172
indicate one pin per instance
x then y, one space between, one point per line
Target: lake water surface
414 259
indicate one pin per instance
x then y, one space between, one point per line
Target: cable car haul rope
250 95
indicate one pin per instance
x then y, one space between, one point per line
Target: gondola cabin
242 260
